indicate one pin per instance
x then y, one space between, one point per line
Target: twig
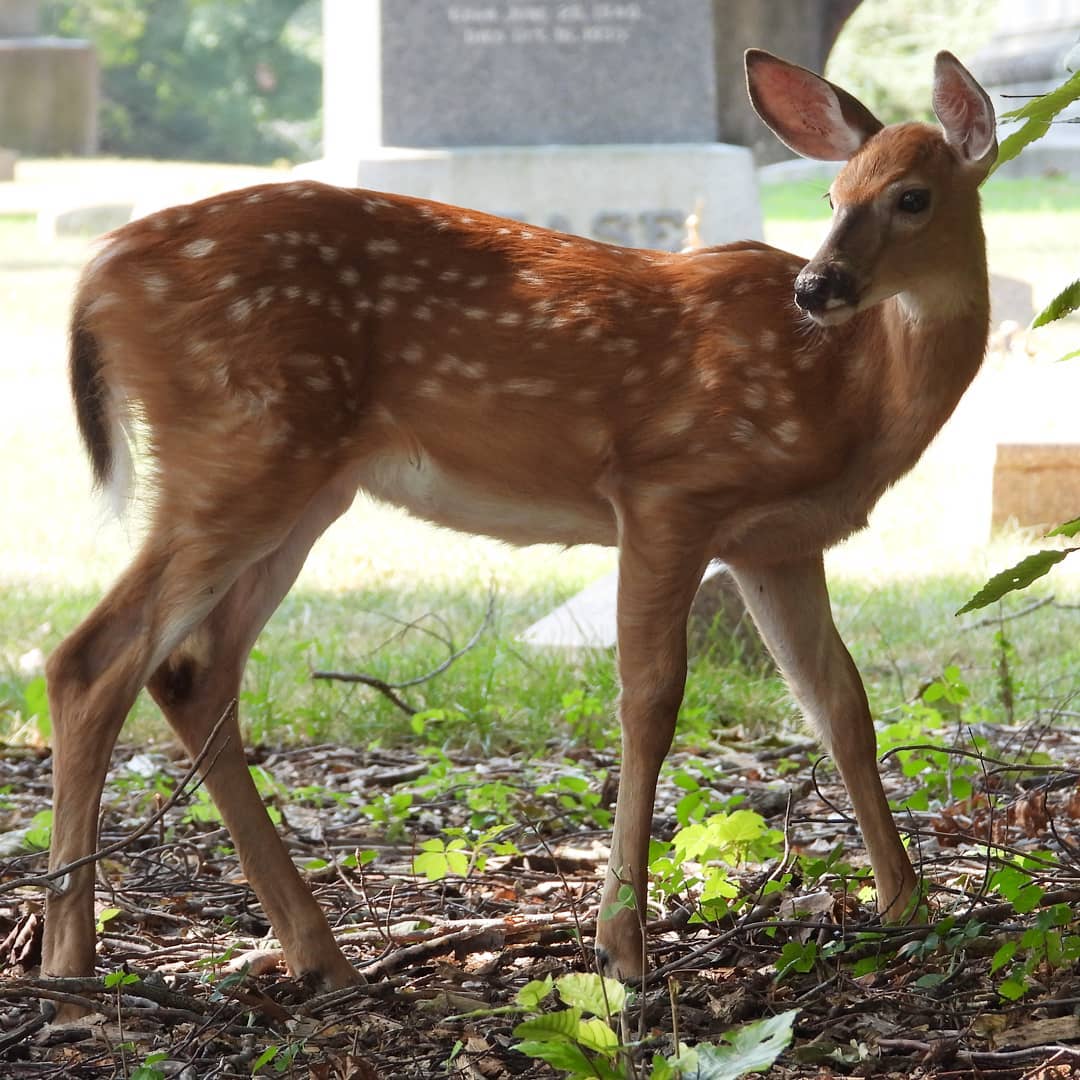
390 689
997 619
49 879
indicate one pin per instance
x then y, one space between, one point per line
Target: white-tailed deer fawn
285 346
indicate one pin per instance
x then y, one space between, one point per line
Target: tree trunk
803 33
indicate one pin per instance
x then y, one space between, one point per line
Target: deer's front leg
657 582
790 604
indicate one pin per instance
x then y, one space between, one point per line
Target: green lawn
896 585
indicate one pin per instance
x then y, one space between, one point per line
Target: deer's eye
914 201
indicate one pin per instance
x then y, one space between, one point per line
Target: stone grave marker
530 72
589 117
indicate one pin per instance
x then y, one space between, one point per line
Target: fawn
285 346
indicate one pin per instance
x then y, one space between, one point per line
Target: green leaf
1012 988
1066 302
1036 115
1017 577
264 1058
592 993
1047 106
562 1055
752 1048
532 993
930 980
1069 356
120 978
557 1025
596 1034
1070 528
796 956
105 916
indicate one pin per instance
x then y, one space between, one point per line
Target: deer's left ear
965 112
805 112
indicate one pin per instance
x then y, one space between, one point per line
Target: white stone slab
587 621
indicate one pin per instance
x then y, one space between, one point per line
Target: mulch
444 959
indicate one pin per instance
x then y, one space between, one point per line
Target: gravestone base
1036 484
639 195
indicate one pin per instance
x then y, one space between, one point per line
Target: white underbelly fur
419 485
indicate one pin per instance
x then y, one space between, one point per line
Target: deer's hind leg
180 577
198 682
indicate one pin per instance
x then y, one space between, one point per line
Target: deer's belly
427 490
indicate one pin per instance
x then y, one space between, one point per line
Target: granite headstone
528 72
593 117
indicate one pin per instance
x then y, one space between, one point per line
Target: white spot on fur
509 318
677 423
387 305
319 383
386 246
787 431
412 354
767 340
422 312
754 396
399 283
328 253
349 275
156 285
240 309
476 314
450 276
743 431
634 375
198 249
429 388
530 387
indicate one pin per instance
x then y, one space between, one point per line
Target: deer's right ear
806 112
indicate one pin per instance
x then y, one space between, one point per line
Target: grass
895 586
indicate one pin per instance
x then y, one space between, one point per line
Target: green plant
461 854
942 776
282 1056
579 798
700 857
1047 942
1036 117
39 835
579 1039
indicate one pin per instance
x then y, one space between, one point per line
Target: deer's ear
806 112
965 112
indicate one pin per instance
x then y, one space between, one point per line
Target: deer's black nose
811 291
814 289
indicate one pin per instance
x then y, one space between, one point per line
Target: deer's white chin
833 316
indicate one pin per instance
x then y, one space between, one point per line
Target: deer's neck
934 340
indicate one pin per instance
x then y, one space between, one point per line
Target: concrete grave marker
529 72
